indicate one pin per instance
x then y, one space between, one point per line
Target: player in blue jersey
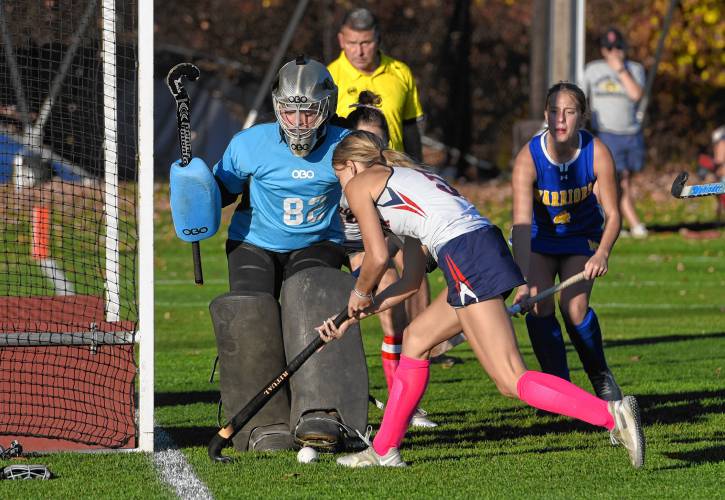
284 253
565 220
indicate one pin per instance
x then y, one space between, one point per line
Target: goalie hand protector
195 201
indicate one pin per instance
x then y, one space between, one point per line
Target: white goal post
76 225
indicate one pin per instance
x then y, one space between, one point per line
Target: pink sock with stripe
390 354
557 395
409 384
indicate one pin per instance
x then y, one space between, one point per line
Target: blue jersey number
439 182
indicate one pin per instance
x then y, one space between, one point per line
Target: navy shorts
566 245
478 266
627 150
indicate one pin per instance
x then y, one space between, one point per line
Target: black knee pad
335 378
251 353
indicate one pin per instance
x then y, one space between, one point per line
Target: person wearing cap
614 86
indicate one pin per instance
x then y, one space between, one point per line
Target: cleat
628 429
606 387
420 419
639 232
369 458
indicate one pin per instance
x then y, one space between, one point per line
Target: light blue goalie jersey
293 200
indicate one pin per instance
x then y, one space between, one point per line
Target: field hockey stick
231 428
174 80
679 190
517 308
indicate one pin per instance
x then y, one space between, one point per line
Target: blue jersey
567 218
293 200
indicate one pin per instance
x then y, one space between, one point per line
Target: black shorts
254 269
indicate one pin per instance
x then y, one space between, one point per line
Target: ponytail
369 149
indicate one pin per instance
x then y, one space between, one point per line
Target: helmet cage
304 97
289 111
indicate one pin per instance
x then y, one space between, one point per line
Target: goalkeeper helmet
304 97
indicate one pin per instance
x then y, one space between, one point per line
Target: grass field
662 310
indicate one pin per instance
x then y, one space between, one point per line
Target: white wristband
362 295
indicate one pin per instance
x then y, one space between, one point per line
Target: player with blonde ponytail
480 273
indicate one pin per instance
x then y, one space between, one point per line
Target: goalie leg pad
336 378
251 353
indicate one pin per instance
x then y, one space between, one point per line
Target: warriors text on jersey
422 205
565 207
293 200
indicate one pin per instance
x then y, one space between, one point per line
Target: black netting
68 230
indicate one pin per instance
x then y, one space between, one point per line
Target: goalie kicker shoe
319 429
369 457
628 429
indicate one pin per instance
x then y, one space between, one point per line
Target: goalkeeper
284 254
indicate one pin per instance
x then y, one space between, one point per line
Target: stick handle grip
196 252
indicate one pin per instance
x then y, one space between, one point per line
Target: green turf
662 310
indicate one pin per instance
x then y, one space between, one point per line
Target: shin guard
587 339
251 353
548 344
334 379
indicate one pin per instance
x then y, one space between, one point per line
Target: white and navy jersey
293 200
420 204
564 202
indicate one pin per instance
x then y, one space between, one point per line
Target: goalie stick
175 82
226 433
680 190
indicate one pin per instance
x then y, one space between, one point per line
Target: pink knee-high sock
556 395
390 354
409 384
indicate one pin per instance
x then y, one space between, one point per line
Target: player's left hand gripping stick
226 433
195 197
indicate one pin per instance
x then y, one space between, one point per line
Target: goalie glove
195 200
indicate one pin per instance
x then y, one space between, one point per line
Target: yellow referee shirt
392 81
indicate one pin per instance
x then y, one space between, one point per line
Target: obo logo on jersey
303 174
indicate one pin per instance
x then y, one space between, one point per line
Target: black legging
254 269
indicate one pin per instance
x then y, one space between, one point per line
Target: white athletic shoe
639 231
368 457
420 419
628 428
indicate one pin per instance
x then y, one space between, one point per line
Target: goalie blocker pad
251 353
335 378
196 205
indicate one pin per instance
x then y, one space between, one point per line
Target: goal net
69 230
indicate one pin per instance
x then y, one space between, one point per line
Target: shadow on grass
679 407
187 437
479 432
185 398
664 338
713 454
692 226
